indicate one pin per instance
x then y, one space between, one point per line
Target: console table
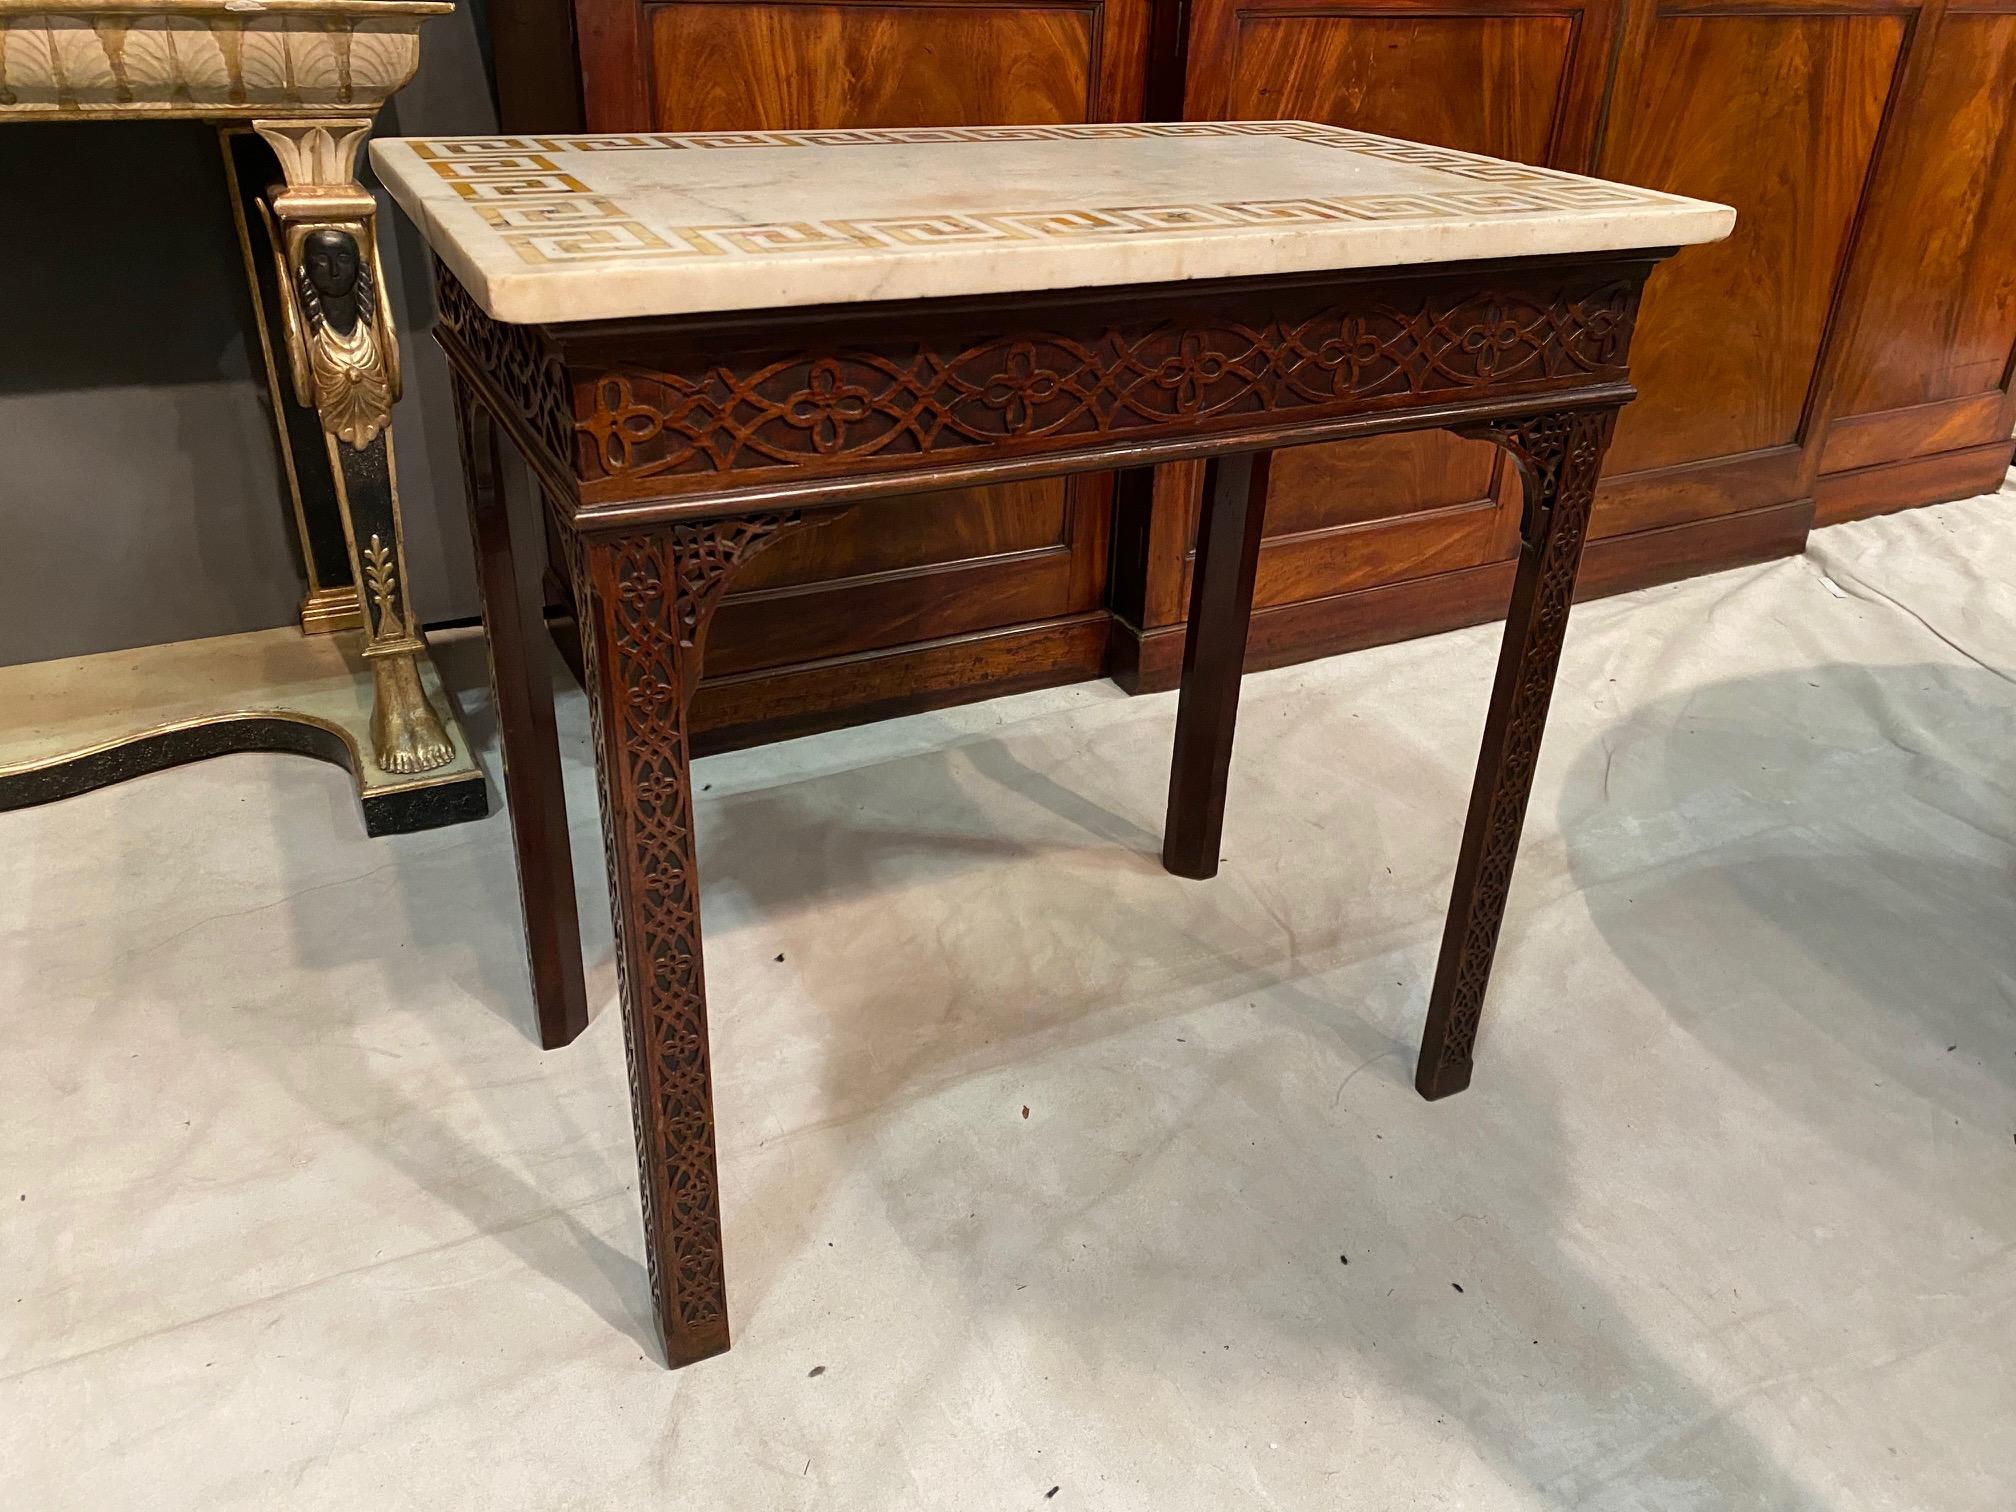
292 87
701 342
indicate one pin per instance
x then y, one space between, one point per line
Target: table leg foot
1559 455
406 733
646 599
1214 658
1442 1081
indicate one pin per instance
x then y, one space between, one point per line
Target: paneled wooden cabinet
909 602
1919 365
1852 343
1374 540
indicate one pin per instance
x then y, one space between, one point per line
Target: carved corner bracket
1558 451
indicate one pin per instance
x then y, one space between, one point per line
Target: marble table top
580 228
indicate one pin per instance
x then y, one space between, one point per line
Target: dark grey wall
140 498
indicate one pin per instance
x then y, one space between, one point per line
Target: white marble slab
551 229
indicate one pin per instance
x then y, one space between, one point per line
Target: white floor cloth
1041 1167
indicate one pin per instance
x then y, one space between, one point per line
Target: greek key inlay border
521 187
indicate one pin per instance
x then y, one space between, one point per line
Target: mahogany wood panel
923 530
1892 486
771 628
905 583
1891 435
1518 80
1281 634
535 59
794 65
1501 73
1331 561
916 570
1775 110
803 698
1923 355
1501 70
694 65
1852 343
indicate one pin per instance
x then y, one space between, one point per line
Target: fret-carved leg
522 691
343 358
645 600
1214 657
1558 456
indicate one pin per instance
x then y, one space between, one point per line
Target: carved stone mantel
206 59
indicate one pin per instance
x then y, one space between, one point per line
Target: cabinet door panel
916 569
1777 113
1927 334
891 576
892 535
1333 524
803 66
1509 79
1496 80
1498 89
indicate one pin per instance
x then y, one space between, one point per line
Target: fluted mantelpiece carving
207 59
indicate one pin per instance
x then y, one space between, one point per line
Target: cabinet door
904 602
1515 79
1920 373
1777 108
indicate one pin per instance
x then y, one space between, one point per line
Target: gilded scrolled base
406 733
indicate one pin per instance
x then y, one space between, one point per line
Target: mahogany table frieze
842 402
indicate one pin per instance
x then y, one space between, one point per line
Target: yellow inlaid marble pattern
643 216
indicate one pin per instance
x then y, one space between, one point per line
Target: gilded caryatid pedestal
306 78
343 360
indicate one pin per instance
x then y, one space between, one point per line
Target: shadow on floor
1211 1259
1828 847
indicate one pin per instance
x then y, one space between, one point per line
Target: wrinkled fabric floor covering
1041 1166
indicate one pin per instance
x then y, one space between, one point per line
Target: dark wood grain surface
1851 349
970 600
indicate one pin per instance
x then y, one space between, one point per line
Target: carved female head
330 258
